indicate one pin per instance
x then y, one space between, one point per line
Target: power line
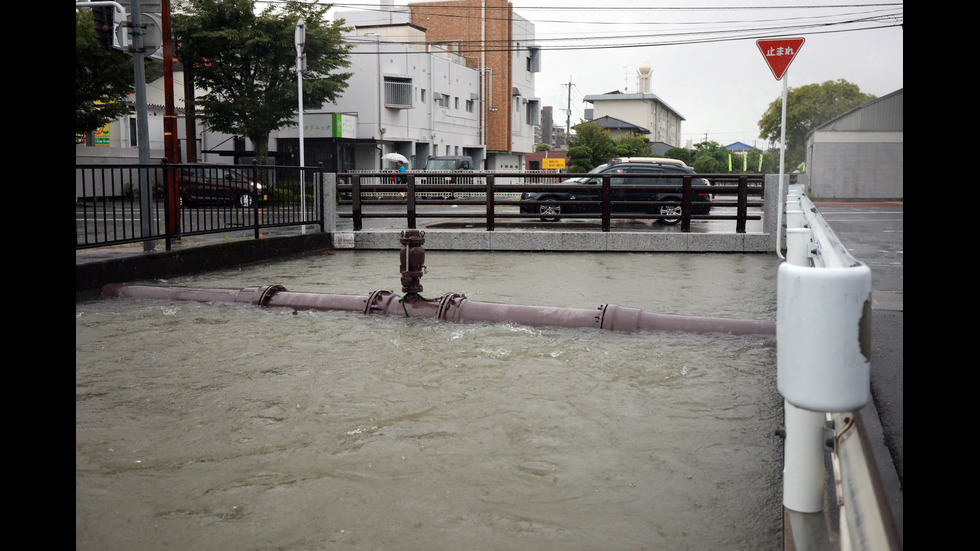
751 34
869 17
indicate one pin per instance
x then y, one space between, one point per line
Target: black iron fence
669 198
119 204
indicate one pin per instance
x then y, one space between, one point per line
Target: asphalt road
873 234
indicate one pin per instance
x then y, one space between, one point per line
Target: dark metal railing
120 204
366 190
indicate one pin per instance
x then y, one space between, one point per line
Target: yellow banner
552 163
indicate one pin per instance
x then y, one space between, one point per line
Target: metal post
300 45
782 171
170 142
803 460
328 184
142 132
490 203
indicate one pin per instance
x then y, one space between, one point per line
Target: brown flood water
226 426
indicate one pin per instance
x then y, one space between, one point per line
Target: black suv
623 192
219 185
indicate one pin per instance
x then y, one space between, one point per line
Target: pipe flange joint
260 296
373 302
446 302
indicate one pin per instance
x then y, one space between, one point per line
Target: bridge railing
823 336
120 204
502 194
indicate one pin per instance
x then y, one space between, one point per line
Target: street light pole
300 44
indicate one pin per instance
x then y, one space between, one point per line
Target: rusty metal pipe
452 307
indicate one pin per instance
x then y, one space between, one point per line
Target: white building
643 109
407 94
399 99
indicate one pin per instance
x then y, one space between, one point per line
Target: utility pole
568 110
142 132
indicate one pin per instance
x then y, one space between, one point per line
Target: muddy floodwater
233 427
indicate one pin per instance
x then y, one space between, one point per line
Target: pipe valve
412 260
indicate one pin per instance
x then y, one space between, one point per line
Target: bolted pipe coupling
258 296
412 260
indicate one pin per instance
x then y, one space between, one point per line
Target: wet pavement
874 234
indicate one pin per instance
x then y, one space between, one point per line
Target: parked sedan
219 185
624 193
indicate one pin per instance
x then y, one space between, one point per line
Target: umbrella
394 157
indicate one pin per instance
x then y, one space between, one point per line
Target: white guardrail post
823 326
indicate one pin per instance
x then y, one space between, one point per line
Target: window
442 100
398 92
533 112
469 106
533 64
456 101
423 95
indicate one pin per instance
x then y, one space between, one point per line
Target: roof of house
619 96
612 123
739 146
880 114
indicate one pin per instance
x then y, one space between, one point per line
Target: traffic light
105 19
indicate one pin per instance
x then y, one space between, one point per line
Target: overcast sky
705 60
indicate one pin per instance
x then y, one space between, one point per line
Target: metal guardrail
823 360
120 204
364 190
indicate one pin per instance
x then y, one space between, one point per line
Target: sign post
779 53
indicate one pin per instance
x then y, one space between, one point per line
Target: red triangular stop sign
779 53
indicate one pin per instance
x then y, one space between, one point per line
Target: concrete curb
584 241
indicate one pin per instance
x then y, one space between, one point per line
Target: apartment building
499 44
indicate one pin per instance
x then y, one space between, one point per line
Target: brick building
499 44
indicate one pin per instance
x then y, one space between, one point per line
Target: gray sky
705 60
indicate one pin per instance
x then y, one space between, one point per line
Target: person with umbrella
401 174
400 161
401 171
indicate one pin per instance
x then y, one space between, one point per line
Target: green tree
102 78
710 150
247 63
680 154
752 163
707 164
807 107
590 147
580 159
633 146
